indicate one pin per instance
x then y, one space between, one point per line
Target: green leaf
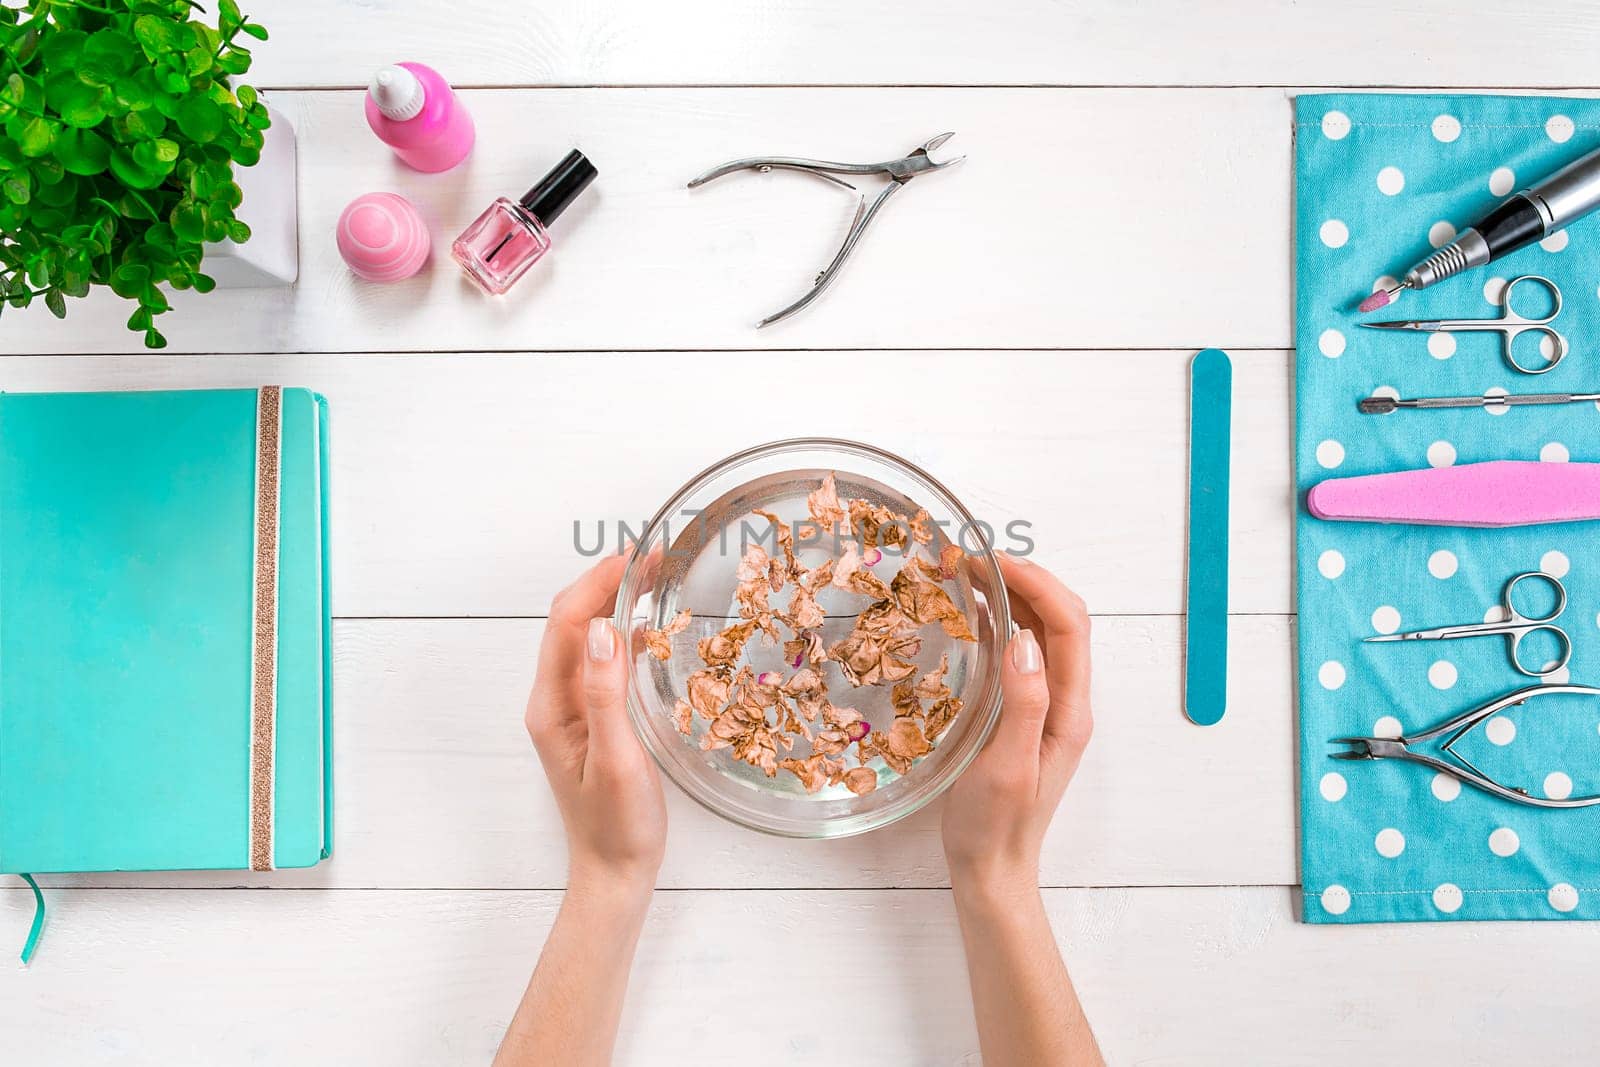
235 60
153 338
82 151
154 300
22 299
137 92
16 189
257 31
80 105
204 283
130 279
139 320
199 118
39 272
228 15
146 124
166 151
246 96
160 35
130 172
188 222
238 232
56 303
62 48
197 61
36 138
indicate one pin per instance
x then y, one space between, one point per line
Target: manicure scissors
1510 325
898 171
1515 627
1373 748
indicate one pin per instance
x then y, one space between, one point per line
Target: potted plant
123 126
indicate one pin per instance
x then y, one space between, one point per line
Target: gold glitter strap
264 627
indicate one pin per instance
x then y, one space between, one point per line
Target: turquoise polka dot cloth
1380 181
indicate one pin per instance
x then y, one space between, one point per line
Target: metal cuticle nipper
898 171
1376 748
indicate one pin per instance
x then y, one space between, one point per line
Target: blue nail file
1205 684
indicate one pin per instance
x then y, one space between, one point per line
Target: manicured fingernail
1025 653
601 643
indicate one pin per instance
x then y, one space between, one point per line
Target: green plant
121 134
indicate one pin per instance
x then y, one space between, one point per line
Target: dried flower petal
724 648
824 506
659 642
902 744
861 780
925 601
922 527
785 542
683 717
708 691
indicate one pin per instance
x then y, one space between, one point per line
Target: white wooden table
1126 200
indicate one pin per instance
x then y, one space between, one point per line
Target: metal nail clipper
898 171
1374 748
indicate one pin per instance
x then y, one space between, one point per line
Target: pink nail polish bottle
508 238
413 110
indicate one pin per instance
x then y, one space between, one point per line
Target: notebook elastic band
263 634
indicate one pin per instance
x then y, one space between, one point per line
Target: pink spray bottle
413 110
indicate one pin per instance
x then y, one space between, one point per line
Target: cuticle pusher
1383 405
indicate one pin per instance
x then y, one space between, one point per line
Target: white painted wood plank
437 785
1198 976
1087 218
456 481
939 42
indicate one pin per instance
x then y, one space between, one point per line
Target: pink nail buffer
1501 493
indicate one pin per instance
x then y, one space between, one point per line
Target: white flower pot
271 256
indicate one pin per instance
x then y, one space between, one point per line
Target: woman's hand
996 814
604 782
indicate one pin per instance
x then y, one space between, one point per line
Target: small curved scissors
1515 627
1510 325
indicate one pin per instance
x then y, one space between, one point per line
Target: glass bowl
687 559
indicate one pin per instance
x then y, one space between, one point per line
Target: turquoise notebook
164 631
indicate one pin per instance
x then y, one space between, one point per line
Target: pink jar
383 237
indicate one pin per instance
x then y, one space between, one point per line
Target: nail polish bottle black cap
560 187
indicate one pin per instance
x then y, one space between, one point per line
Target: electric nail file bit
1560 200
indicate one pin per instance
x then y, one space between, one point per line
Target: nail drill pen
1560 200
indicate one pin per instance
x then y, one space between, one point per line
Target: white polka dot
1559 128
1391 181
1442 564
1554 563
1547 347
1492 407
1447 898
1394 394
1446 128
1334 233
1335 125
1388 726
1504 842
1554 452
1336 900
1330 454
1441 454
1555 242
1386 620
1557 786
1445 787
1493 288
1441 345
1442 675
1331 343
1500 730
1495 613
1385 281
1441 233
1331 564
1562 897
1390 843
1557 676
1333 786
1502 181
1331 674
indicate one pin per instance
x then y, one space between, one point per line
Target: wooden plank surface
1200 976
938 42
438 786
1078 220
457 479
